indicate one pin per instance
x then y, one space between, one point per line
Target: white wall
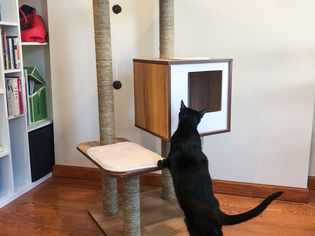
312 158
273 47
73 73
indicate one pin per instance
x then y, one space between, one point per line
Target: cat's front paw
161 163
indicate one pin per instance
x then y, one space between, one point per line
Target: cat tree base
158 217
127 161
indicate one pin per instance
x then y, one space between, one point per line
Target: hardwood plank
60 206
56 207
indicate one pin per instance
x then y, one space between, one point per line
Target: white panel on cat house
161 84
202 86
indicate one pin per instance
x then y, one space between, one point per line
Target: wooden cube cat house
160 85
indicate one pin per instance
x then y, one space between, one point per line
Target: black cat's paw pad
160 163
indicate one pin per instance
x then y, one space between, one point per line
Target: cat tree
130 177
101 9
131 194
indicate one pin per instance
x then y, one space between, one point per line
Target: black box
41 144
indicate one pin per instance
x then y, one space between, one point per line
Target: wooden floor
59 207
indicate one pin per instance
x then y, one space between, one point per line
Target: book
20 96
4 51
17 53
15 95
13 62
16 105
11 51
9 92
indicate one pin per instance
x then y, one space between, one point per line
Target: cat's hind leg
219 231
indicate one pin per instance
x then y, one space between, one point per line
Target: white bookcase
37 54
15 164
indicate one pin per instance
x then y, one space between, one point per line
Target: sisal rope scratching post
168 192
166 51
105 95
131 199
166 28
131 206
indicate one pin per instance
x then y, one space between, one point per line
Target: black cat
192 182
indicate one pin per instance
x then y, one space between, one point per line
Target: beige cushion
123 157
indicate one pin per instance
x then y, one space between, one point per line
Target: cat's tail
236 219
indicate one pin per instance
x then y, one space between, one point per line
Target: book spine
20 96
5 50
13 62
8 54
17 53
13 52
9 92
9 51
16 105
3 47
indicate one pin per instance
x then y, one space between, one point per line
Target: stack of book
11 51
15 95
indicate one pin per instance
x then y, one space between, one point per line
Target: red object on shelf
32 25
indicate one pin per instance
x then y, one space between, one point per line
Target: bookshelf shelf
18 166
4 153
39 124
15 117
6 72
8 23
34 44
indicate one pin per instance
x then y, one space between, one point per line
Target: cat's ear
202 112
182 105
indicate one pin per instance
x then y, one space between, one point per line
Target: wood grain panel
260 190
244 189
311 182
220 186
94 174
169 61
75 172
152 100
205 90
154 211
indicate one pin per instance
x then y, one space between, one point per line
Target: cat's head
190 114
